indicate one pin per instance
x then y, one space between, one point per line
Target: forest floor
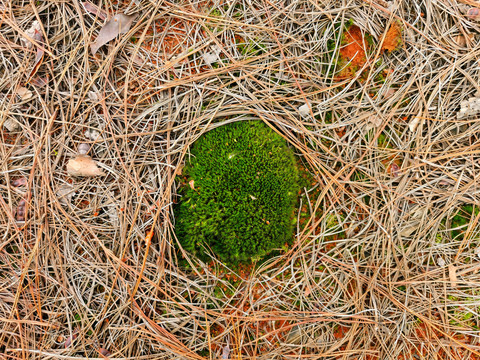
100 102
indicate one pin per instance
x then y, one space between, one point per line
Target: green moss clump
245 186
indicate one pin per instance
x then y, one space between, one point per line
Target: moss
461 219
251 48
245 185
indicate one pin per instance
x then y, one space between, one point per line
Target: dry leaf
104 352
473 13
394 170
24 93
409 230
452 273
92 95
119 24
65 194
38 37
415 121
226 352
19 182
389 93
34 29
304 110
95 10
138 59
461 40
20 211
39 82
209 58
69 340
12 125
393 38
440 261
83 165
179 170
192 184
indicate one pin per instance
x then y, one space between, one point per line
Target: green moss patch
239 193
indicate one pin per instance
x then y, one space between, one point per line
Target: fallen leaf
19 182
138 59
179 170
226 352
11 125
409 230
440 261
414 123
69 340
304 110
394 170
389 93
192 184
104 352
119 24
473 13
34 28
452 273
463 40
393 38
24 93
38 37
210 58
65 194
92 95
20 211
95 10
83 165
39 82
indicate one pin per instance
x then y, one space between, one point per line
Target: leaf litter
373 229
393 37
34 38
83 165
95 10
119 24
353 53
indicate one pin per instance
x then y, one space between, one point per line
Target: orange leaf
393 38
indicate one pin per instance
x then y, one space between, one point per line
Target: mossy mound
241 186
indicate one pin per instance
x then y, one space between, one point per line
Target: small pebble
83 148
440 261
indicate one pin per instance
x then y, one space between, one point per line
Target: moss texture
245 185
